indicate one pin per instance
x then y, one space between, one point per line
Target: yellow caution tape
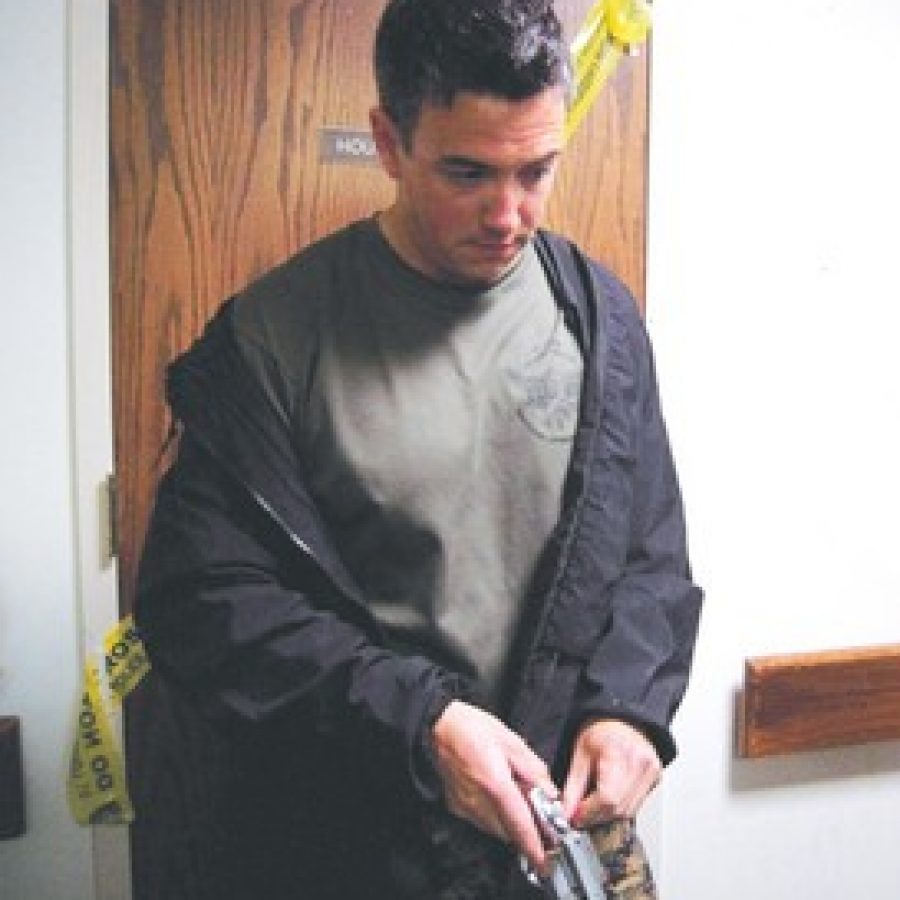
628 21
611 28
97 788
126 659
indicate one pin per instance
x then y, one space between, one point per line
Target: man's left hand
613 769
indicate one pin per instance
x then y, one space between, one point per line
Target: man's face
473 186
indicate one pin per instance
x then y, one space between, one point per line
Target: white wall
38 610
774 301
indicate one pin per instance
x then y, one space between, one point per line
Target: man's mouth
498 249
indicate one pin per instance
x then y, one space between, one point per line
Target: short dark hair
431 50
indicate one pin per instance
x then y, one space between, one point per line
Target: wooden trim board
810 701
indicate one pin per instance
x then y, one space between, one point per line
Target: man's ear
387 141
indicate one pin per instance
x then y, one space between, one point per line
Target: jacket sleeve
253 631
639 667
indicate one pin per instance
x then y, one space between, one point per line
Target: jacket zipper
350 597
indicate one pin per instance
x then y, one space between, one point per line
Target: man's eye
464 176
532 176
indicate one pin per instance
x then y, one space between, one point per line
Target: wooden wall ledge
809 701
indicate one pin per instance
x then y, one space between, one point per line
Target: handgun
575 871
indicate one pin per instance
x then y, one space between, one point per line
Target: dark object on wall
12 787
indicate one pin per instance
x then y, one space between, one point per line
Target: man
422 549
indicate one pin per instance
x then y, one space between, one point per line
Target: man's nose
502 207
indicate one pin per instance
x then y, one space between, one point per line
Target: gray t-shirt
434 425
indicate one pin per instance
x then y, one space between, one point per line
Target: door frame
96 575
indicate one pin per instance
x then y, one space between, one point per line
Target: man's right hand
487 771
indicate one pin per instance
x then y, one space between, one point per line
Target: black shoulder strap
579 290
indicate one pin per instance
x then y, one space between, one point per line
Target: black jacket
265 643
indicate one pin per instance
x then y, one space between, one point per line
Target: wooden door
217 116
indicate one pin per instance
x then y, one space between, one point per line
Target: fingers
613 800
487 771
527 768
529 771
578 781
519 825
614 767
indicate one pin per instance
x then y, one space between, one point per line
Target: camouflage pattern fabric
462 874
628 875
